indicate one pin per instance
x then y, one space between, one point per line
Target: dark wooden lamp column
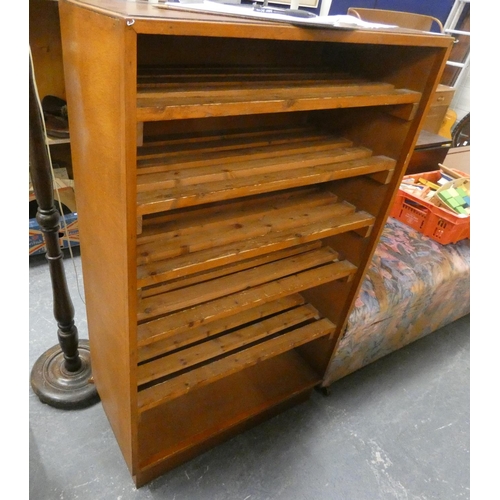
62 376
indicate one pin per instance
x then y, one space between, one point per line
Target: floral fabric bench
413 287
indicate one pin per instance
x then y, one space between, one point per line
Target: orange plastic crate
439 224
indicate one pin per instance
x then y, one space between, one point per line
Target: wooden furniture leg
62 376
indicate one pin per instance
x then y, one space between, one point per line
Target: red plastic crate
439 224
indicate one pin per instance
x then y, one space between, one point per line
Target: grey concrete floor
397 429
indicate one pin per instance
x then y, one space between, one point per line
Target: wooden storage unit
232 179
440 103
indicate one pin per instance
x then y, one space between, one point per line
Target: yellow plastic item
448 122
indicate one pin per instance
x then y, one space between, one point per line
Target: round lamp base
57 387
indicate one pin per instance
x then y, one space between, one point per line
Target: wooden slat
192 219
150 77
208 83
241 226
183 92
153 69
152 396
184 196
146 70
203 292
223 344
188 279
188 144
185 264
150 108
158 329
210 329
247 165
172 159
172 162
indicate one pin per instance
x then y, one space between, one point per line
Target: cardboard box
459 159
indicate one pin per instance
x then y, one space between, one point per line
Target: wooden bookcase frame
232 178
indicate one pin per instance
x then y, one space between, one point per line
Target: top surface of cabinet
147 17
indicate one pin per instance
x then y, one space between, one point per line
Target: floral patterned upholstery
413 287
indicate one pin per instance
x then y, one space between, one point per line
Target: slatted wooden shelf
182 146
221 345
168 314
175 152
214 328
244 348
186 179
157 201
191 220
186 96
198 243
269 275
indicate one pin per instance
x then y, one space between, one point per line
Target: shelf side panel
99 59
